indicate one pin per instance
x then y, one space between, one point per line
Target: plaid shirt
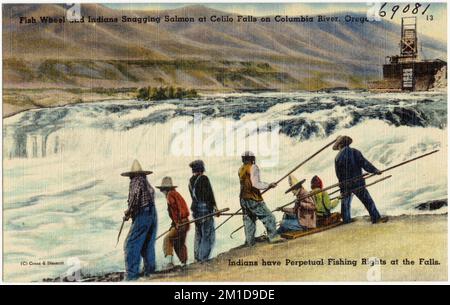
141 194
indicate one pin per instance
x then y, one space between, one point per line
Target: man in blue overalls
203 203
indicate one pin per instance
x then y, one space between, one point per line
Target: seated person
324 205
303 215
322 200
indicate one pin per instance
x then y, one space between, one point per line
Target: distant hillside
202 55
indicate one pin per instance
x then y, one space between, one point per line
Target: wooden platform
297 234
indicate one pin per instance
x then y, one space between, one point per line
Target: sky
436 28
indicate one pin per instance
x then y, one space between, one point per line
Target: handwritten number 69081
415 9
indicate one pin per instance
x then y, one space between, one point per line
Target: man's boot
382 219
276 239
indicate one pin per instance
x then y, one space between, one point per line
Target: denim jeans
289 223
364 196
254 210
205 234
140 242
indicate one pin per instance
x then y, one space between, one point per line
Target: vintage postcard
224 142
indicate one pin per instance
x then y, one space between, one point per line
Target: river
64 196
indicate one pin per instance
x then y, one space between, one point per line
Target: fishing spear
394 166
363 176
281 179
183 224
360 187
194 220
120 231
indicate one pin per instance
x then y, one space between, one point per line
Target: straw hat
294 185
344 140
136 169
166 183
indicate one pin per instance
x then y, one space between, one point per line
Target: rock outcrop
432 205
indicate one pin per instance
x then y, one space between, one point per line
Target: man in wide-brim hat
136 170
303 215
294 184
141 238
349 163
342 141
179 214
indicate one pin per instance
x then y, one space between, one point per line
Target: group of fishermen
308 211
141 238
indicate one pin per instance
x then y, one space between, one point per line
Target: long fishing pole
302 163
196 219
360 187
363 176
367 175
281 179
395 166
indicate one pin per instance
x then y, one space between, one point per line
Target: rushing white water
64 196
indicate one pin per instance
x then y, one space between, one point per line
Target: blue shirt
349 164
